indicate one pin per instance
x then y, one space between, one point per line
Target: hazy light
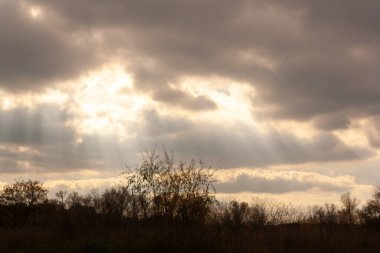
55 97
106 102
35 12
233 99
6 104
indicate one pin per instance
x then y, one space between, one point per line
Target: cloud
83 186
41 140
278 182
330 122
37 53
373 132
178 97
50 144
9 166
304 59
43 125
240 146
156 125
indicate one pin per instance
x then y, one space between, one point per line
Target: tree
61 195
236 213
21 202
23 192
161 188
323 215
258 213
331 214
370 213
282 213
349 210
114 202
74 199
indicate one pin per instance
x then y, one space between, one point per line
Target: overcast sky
282 97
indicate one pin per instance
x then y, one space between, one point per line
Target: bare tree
73 199
114 202
161 188
24 192
237 213
258 213
282 213
61 195
349 211
370 213
331 214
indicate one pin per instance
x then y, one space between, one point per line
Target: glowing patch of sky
104 102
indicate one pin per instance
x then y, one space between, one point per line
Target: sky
281 97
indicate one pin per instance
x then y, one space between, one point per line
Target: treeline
173 207
262 213
26 202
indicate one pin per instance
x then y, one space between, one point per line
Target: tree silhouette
236 213
160 188
349 210
115 202
23 192
371 211
327 214
61 195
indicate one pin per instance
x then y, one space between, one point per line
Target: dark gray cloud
241 146
51 145
373 132
329 122
178 97
55 147
248 183
156 125
325 56
10 166
373 137
356 17
307 60
43 125
94 152
37 53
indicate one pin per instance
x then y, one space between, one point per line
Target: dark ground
187 238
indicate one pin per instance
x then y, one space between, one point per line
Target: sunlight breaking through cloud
105 102
263 86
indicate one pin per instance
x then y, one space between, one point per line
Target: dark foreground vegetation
167 207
